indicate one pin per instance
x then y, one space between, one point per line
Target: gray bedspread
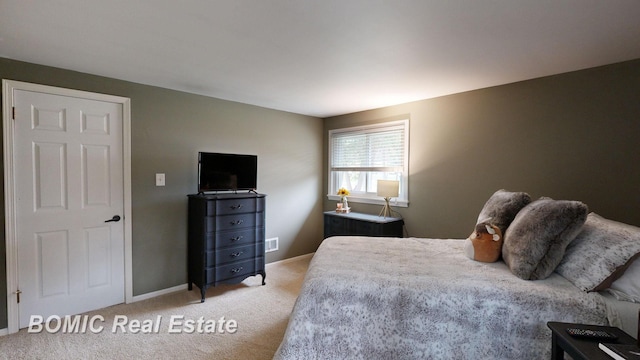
384 298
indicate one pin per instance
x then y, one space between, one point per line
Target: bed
417 298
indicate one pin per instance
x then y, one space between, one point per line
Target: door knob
115 218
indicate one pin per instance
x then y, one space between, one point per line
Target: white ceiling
321 57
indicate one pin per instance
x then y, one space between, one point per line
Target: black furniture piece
361 224
582 348
225 239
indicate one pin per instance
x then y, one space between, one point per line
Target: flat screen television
227 172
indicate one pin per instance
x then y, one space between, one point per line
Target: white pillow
627 287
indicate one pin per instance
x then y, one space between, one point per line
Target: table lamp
387 189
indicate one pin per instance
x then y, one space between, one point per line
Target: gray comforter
383 298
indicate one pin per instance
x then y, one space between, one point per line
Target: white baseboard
185 286
4 332
284 261
159 293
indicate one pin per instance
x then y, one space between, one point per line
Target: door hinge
18 292
13 112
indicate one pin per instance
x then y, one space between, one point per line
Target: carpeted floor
260 313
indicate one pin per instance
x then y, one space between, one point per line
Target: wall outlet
159 179
271 244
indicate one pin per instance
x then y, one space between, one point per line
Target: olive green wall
569 136
168 129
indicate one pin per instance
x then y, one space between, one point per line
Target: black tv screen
227 172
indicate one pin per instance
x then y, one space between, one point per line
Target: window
360 156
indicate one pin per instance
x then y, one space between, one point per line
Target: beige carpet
261 313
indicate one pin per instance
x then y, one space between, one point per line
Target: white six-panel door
69 180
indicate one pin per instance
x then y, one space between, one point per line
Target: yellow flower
343 192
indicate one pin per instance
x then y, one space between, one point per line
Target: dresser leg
264 275
202 294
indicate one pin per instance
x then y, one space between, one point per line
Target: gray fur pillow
535 242
502 207
600 254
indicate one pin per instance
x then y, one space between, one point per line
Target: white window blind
359 156
373 150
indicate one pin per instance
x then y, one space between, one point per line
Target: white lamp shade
388 188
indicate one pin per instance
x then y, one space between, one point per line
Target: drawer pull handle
237 222
236 254
235 207
234 239
237 270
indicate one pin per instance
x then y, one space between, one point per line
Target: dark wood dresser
225 239
361 224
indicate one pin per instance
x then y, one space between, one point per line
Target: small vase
345 203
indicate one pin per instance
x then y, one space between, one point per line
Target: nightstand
581 348
358 224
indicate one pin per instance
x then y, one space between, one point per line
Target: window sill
370 200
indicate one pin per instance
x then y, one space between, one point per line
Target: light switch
159 179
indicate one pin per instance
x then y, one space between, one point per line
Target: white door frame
8 86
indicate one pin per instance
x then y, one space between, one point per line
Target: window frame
332 177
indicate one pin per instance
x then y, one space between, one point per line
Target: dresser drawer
334 226
235 206
235 221
234 238
233 270
366 228
234 254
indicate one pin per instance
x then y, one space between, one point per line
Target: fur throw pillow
535 242
502 207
